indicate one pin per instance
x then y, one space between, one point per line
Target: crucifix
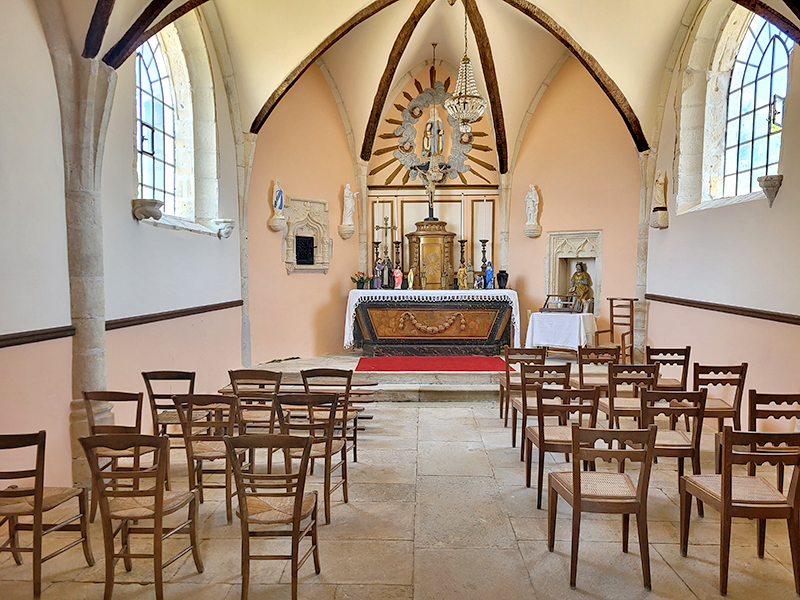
385 228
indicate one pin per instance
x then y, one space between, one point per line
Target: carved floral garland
431 328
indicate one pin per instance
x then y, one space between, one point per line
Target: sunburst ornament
466 105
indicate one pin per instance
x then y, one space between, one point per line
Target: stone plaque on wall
307 245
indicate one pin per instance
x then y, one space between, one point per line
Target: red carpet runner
431 363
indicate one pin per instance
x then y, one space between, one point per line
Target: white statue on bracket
278 221
348 228
659 217
532 229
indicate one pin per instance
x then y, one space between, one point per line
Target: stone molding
574 244
305 216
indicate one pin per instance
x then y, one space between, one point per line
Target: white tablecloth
356 297
561 330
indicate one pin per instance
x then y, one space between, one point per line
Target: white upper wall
34 285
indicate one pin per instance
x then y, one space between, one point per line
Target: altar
432 322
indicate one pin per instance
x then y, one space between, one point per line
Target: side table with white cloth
560 330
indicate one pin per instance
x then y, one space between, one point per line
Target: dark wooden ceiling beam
298 71
97 28
125 46
773 16
490 77
395 55
605 82
795 6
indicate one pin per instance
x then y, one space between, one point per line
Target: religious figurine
659 217
478 281
411 279
404 283
470 274
581 288
433 138
462 277
398 278
489 276
532 228
348 228
387 278
376 279
278 221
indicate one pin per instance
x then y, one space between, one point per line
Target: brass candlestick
397 254
463 251
377 246
483 252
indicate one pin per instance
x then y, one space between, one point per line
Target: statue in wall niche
532 228
659 217
581 288
489 276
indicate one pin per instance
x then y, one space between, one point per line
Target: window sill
721 202
179 224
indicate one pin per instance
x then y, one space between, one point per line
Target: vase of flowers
360 279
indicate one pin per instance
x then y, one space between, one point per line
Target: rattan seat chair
338 380
275 504
617 405
620 320
23 500
732 377
255 389
594 356
511 383
670 357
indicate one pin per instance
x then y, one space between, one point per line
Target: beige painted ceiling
631 39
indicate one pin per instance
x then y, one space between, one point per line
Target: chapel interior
190 185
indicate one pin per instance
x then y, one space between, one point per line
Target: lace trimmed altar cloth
356 297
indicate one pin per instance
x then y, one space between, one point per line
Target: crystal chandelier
466 104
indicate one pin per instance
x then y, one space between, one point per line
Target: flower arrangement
360 278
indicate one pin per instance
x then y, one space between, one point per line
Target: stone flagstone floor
439 511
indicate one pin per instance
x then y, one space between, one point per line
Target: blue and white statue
489 276
277 201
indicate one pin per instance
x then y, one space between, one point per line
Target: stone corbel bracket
146 208
224 227
770 184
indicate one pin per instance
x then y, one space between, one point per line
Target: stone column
363 208
647 169
505 218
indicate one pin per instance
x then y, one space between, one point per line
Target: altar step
434 386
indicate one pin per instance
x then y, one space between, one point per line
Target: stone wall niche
307 218
564 250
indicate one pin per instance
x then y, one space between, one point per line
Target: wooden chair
161 386
618 405
25 500
594 356
557 437
719 408
516 357
121 401
147 501
670 357
621 312
534 376
675 443
602 491
206 419
747 496
339 380
255 389
318 421
275 505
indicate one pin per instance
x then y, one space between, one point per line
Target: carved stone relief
563 245
306 217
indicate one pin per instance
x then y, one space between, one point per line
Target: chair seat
272 511
352 413
713 404
127 453
211 450
516 403
53 496
168 417
744 489
669 383
620 404
318 449
143 507
552 433
672 438
598 484
589 381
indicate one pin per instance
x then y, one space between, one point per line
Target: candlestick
397 253
463 243
485 213
463 234
483 252
396 223
377 246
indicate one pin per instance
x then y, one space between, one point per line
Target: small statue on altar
462 277
581 288
478 281
376 279
470 274
489 276
387 277
398 278
411 279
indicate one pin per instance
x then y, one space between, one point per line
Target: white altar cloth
561 330
356 297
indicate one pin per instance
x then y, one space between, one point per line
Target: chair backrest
639 376
255 386
674 405
106 479
282 489
677 357
596 356
564 403
620 314
534 376
315 380
205 418
20 491
160 384
635 445
771 406
123 400
732 376
755 448
520 356
311 415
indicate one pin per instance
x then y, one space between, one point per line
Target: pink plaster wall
35 393
579 154
304 144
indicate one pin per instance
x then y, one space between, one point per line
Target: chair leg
13 536
198 560
724 552
644 547
541 480
126 545
344 473
794 543
686 503
228 492
108 544
696 471
552 507
523 427
720 423
576 536
295 568
626 527
158 561
245 565
513 427
315 551
781 470
83 507
327 490
198 479
355 440
528 461
761 532
501 401
37 555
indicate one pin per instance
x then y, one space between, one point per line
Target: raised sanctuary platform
432 322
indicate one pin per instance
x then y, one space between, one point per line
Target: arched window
155 125
755 107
